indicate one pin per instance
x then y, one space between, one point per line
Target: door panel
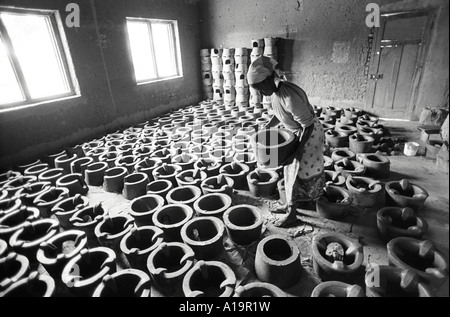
395 67
405 28
406 76
385 87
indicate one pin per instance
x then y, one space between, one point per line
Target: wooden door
401 46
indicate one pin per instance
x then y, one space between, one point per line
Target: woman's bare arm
272 123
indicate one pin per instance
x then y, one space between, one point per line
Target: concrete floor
362 227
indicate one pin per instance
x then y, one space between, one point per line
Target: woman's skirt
304 177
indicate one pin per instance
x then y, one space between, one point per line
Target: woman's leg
289 218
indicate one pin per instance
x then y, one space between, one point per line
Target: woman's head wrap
260 69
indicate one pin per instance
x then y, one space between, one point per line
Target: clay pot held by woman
272 146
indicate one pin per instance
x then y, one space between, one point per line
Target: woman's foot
280 209
287 220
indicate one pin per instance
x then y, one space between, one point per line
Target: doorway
401 45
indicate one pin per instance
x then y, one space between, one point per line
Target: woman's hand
298 153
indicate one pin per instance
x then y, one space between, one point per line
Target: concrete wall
110 98
323 44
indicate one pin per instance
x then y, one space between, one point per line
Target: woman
303 171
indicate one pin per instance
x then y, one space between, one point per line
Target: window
154 49
34 62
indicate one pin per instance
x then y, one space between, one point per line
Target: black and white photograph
224 156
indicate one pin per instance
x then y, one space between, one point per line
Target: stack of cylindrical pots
270 50
206 68
257 51
229 83
242 91
217 75
270 47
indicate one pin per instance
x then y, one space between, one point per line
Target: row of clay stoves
178 181
179 172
